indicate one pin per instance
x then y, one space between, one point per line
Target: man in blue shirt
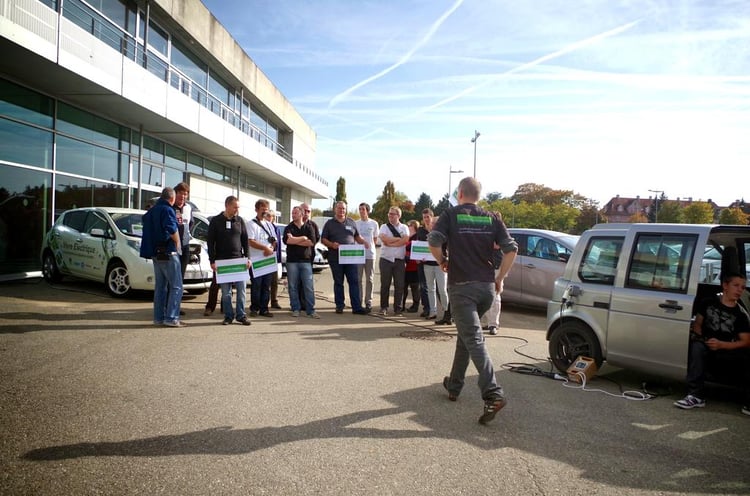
161 243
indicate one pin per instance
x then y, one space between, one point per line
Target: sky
600 97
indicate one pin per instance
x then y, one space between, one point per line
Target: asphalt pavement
94 399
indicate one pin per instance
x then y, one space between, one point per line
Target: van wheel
118 280
571 340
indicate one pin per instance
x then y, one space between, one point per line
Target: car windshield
130 224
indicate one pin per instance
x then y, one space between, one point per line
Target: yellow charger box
585 365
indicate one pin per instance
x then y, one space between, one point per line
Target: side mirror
98 233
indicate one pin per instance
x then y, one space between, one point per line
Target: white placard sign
420 250
265 265
352 254
231 270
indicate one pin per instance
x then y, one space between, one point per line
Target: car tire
569 341
117 280
50 271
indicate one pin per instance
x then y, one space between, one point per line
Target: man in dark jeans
720 343
471 234
161 243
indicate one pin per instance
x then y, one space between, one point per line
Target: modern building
105 102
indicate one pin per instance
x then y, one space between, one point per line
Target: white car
103 244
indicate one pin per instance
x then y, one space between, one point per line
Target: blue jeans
226 300
260 293
167 289
300 274
339 271
468 302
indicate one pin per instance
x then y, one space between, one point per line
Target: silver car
541 259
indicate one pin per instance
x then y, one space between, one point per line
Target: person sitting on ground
720 343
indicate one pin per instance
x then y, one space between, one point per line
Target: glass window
195 164
87 126
172 177
600 259
661 262
189 64
25 199
95 220
75 220
25 105
151 174
84 159
71 192
25 144
153 149
218 88
214 170
175 157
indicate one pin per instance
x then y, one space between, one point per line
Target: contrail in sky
336 99
535 62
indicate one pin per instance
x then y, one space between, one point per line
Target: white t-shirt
392 253
368 229
260 234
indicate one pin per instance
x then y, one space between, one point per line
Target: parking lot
96 400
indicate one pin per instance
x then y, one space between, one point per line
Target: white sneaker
690 402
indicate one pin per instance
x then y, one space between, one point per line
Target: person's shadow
611 449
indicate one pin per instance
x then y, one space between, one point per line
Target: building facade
105 102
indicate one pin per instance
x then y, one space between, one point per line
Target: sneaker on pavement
493 330
339 310
491 407
295 313
689 402
253 313
227 321
313 315
383 311
244 321
361 311
266 314
174 323
746 410
451 396
207 312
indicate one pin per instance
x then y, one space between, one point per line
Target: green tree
492 197
734 216
341 190
670 211
589 216
385 201
442 205
698 213
424 201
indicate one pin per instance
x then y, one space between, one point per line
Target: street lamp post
656 203
474 140
450 174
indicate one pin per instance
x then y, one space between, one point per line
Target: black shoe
227 321
412 309
253 313
491 407
361 311
451 396
424 314
244 321
182 312
339 310
266 314
275 305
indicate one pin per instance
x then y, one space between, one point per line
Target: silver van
628 292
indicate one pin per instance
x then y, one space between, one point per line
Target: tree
638 217
734 216
670 211
385 201
698 213
590 216
443 205
424 201
341 190
493 197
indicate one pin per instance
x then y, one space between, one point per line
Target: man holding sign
339 236
227 252
262 238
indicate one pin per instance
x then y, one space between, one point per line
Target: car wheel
49 268
118 280
571 340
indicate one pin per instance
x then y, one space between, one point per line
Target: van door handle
670 305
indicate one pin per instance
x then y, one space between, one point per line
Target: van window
599 264
661 262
